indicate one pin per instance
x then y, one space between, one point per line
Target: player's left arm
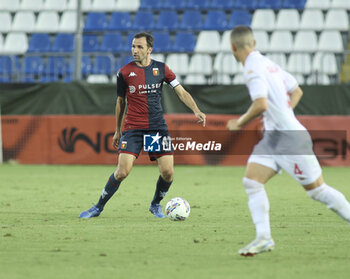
187 99
256 108
295 96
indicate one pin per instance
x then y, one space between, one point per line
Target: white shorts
305 169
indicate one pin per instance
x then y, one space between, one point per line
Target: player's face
140 50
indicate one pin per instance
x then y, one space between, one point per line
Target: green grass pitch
41 235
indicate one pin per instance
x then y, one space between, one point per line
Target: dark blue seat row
58 65
111 42
221 4
192 20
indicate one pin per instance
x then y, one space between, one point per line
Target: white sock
333 199
259 207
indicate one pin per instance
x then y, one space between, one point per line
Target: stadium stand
288 20
63 42
167 21
47 21
5 19
161 42
208 41
9 5
39 43
263 20
68 22
184 42
23 21
341 4
55 5
303 36
191 21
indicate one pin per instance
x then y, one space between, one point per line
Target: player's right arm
119 108
258 92
119 114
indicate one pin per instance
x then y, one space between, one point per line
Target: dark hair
148 36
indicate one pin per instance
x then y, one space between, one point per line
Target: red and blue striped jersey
142 87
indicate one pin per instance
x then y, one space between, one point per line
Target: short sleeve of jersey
170 77
290 81
121 85
256 85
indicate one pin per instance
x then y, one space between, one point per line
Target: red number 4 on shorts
297 170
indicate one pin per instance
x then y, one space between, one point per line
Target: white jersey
265 79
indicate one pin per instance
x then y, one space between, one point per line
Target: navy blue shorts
156 142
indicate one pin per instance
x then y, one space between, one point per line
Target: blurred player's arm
119 114
256 108
187 99
295 96
258 93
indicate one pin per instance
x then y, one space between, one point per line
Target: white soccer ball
177 209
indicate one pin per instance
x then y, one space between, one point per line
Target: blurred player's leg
125 163
255 178
331 197
166 169
307 171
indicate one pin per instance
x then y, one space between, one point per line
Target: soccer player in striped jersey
138 106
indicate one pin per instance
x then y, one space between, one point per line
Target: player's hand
201 117
232 125
116 139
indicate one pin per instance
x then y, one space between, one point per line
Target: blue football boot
92 212
156 210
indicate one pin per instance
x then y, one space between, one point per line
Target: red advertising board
80 139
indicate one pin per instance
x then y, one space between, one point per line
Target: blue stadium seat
125 60
150 5
270 4
167 21
95 21
5 79
174 5
191 21
8 65
127 45
199 4
215 20
63 43
143 21
161 42
294 4
112 42
120 21
104 65
39 43
56 66
86 65
244 4
90 43
239 17
33 65
223 4
48 78
184 42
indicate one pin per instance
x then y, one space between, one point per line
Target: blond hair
242 37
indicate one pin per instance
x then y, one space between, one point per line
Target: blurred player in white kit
286 144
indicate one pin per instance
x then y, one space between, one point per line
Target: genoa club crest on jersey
155 71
